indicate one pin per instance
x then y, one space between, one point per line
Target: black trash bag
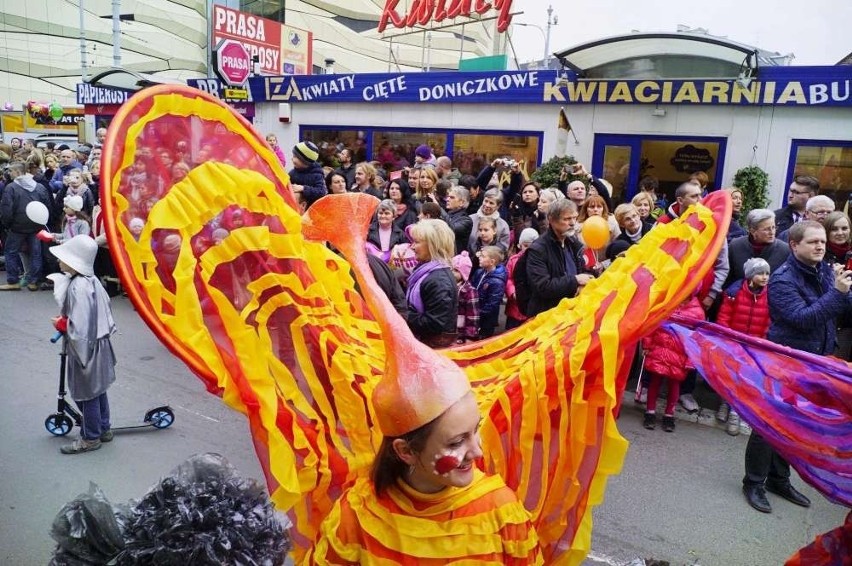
87 530
204 513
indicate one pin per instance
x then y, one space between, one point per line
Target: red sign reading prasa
422 12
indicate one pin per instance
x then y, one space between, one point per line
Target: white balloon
37 212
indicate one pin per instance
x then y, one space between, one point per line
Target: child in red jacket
665 359
745 308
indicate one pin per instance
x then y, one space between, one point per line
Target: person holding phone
806 296
839 251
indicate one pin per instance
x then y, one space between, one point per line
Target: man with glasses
816 209
67 162
801 189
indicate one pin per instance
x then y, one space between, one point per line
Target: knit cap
423 151
528 236
306 151
463 265
755 266
74 202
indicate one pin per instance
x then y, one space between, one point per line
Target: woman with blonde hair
432 293
644 203
424 191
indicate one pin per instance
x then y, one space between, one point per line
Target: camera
509 162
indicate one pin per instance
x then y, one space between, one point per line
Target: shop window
395 149
330 142
471 152
830 162
673 161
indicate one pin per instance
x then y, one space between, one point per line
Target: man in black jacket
21 230
554 260
457 217
801 189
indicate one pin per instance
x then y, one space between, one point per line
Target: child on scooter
86 320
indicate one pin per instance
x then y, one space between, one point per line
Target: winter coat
735 229
804 306
664 355
784 219
744 310
552 270
740 250
440 300
397 236
313 181
512 310
461 223
58 180
13 204
490 287
407 218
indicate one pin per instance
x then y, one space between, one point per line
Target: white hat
74 202
78 253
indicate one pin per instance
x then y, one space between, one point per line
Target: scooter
66 416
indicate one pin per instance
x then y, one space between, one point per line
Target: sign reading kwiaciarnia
422 12
776 86
279 49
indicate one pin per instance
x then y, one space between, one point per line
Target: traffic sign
233 62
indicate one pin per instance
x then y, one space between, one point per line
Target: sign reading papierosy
279 49
233 62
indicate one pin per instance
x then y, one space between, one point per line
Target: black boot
650 421
756 497
668 423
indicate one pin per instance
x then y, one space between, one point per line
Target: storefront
789 121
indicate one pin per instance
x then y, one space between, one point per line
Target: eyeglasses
820 212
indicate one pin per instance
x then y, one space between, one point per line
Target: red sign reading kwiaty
422 12
280 49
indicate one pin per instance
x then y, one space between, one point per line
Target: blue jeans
95 416
12 251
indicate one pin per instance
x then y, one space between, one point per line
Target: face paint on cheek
446 463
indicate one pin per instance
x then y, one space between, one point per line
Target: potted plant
754 183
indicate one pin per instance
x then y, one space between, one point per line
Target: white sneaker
723 412
733 424
689 403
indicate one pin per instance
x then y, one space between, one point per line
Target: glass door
625 159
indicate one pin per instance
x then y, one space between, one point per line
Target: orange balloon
595 232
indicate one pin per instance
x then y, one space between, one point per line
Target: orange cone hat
419 384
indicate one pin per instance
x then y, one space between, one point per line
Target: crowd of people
66 181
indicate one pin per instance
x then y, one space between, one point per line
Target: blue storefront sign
775 86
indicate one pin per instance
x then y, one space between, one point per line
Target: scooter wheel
162 418
58 424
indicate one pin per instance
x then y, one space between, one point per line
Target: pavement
677 497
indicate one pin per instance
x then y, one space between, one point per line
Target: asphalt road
678 497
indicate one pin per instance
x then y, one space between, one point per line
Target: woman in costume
425 498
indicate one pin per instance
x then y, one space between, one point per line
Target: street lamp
550 23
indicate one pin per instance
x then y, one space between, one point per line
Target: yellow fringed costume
301 354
